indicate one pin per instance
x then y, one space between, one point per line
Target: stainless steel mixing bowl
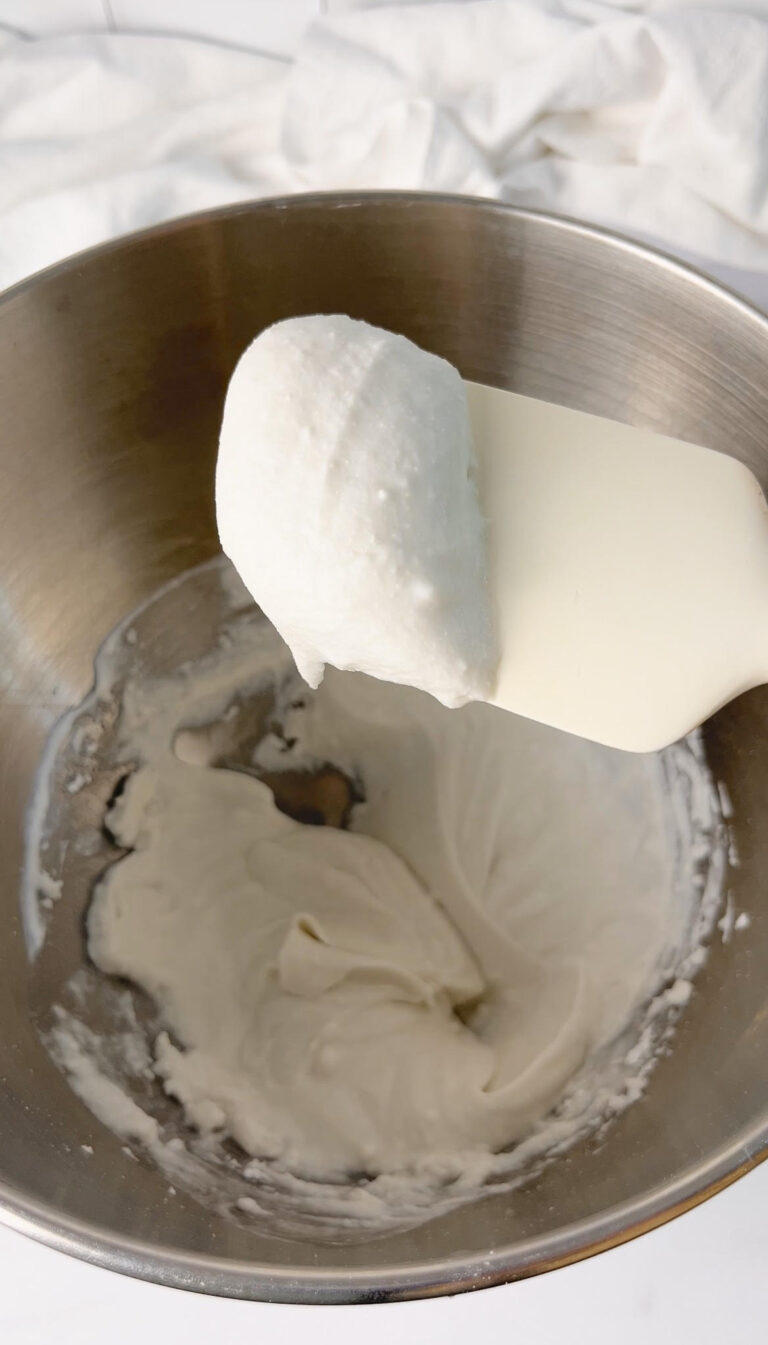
112 372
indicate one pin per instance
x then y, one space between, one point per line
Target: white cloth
652 117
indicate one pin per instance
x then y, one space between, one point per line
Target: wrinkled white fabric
646 116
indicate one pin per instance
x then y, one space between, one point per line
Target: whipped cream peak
346 499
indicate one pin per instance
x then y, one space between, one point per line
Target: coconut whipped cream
479 969
346 499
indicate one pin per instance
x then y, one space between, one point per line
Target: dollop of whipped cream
314 982
346 500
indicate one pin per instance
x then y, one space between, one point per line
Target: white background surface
701 1279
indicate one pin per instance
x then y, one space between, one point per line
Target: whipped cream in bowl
356 1026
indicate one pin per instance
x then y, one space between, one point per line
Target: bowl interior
113 369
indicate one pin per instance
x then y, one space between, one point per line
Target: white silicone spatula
629 572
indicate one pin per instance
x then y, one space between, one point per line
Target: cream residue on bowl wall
385 1019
